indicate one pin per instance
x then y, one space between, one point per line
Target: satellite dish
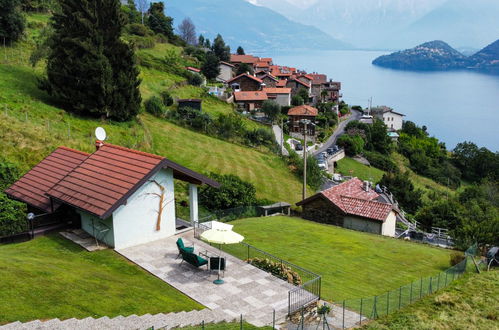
30 216
100 134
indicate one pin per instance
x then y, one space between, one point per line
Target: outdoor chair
214 264
181 246
193 259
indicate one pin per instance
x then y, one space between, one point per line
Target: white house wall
388 228
135 222
393 120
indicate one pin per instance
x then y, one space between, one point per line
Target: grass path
353 264
52 277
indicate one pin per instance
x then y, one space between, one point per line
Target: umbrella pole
218 280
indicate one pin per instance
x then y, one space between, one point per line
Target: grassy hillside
352 264
52 277
472 302
31 126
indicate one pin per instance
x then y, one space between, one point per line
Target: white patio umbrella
221 233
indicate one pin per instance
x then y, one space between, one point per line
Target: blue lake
456 106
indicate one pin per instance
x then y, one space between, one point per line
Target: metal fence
307 291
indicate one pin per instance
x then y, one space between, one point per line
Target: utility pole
304 193
282 136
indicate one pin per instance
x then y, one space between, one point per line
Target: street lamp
305 123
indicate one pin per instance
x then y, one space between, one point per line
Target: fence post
360 321
202 325
400 296
421 289
374 313
241 321
343 321
430 287
289 302
410 296
446 273
302 321
248 252
273 319
387 302
438 282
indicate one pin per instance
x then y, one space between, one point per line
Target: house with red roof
250 101
123 197
226 72
268 79
296 85
245 82
296 115
281 96
354 205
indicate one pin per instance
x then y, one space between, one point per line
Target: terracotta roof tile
249 59
303 110
277 90
318 78
190 68
282 83
246 76
250 96
31 188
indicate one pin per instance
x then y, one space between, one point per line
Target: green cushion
201 261
189 249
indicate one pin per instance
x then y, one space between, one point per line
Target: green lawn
52 277
471 302
352 264
349 167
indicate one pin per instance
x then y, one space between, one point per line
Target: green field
51 277
350 167
352 264
471 302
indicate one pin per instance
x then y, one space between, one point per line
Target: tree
158 21
232 193
131 12
296 100
210 67
353 144
207 43
378 138
187 31
12 21
221 50
90 69
240 51
271 109
303 93
402 188
244 68
475 163
37 5
201 41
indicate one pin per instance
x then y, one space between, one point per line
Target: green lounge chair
181 246
193 259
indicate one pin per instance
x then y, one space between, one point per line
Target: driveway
247 290
339 131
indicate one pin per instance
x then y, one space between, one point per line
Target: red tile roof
247 76
318 78
303 110
269 76
31 188
282 83
262 65
190 68
249 59
299 82
351 198
228 64
250 96
277 90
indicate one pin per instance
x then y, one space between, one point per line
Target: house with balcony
250 101
296 115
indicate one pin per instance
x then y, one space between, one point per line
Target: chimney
98 144
365 185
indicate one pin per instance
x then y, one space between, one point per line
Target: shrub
193 79
142 42
154 106
233 192
456 258
381 161
12 213
353 145
138 30
167 98
296 100
277 269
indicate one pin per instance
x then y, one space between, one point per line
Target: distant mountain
487 59
433 55
255 28
397 23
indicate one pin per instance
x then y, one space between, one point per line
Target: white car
366 117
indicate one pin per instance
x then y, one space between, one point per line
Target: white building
393 120
226 72
281 96
124 197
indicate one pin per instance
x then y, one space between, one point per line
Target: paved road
277 134
339 130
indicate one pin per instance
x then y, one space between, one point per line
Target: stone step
13 326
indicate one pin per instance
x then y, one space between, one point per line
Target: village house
296 114
305 78
332 91
268 79
226 72
281 96
353 205
250 101
123 197
245 83
296 85
318 81
237 60
392 119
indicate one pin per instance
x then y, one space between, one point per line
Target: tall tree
142 8
210 67
90 69
244 68
201 41
11 21
187 31
221 50
158 21
240 51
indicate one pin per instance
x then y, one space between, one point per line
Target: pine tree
158 21
240 51
11 21
221 50
90 70
210 67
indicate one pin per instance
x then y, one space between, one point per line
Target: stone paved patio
247 290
